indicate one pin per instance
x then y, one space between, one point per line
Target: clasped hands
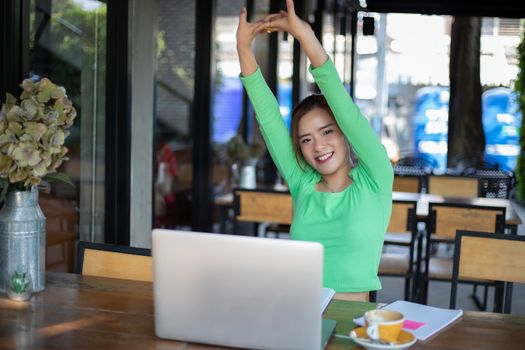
285 21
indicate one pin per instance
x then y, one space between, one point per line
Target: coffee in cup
383 325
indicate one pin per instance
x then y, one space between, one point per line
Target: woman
343 206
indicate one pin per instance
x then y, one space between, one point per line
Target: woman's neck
335 182
334 185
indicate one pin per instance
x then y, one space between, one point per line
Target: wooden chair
453 186
258 206
408 183
114 261
495 180
401 231
480 255
443 222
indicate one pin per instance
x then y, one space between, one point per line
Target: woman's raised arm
263 100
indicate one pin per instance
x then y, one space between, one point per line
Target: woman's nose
318 144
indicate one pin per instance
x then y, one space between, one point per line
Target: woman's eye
305 140
328 131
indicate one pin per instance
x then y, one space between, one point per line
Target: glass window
174 99
500 38
227 92
402 80
68 46
284 74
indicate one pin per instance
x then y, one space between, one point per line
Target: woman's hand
246 32
288 21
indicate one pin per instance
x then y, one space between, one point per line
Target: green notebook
328 329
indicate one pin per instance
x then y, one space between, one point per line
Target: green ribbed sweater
350 224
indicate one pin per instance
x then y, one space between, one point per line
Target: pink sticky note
412 325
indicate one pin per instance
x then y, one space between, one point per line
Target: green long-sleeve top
349 224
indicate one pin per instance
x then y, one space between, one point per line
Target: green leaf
4 183
60 177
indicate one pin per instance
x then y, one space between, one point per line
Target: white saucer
358 335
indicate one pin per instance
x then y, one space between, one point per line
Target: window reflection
68 45
173 104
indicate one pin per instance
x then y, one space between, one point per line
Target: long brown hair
306 105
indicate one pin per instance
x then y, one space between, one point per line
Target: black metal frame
270 170
202 192
297 60
503 299
243 128
14 45
503 8
83 246
118 125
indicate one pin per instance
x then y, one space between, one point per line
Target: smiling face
323 145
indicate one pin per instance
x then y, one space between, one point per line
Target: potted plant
19 286
32 134
245 157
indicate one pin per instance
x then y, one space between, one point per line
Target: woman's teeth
325 156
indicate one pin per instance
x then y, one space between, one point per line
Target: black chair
114 261
480 255
453 186
422 161
409 183
416 165
402 232
443 222
496 181
263 207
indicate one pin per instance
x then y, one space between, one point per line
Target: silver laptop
237 291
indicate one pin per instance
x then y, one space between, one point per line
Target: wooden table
78 312
511 217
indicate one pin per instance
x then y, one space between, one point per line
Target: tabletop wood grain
80 312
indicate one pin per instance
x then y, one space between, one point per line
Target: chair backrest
453 186
494 183
262 206
403 218
418 161
415 165
480 255
114 261
445 219
407 183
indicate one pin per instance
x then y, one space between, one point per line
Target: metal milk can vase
22 238
248 176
